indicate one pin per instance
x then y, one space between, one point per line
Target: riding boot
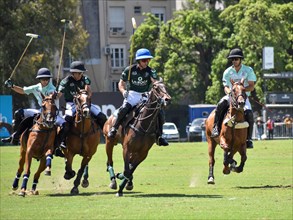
161 120
220 111
25 124
65 128
123 110
249 118
100 119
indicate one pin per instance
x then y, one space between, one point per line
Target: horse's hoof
129 185
226 171
69 175
14 188
211 180
34 192
85 183
113 184
21 193
119 194
74 191
48 172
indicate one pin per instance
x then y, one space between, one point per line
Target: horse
232 138
38 143
83 139
137 137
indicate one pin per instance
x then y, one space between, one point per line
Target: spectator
288 125
278 125
259 125
270 127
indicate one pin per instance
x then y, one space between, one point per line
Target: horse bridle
234 100
44 115
159 102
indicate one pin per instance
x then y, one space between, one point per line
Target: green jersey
140 80
68 86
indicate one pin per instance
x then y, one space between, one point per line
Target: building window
115 86
137 10
118 56
116 19
159 12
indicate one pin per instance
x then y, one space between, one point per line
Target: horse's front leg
211 151
49 157
28 159
127 174
226 169
69 173
110 168
84 163
20 168
42 167
242 152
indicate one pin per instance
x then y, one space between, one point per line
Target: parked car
194 132
170 132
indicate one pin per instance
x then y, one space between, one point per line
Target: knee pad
19 114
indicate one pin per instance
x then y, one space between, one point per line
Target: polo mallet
66 22
131 51
32 36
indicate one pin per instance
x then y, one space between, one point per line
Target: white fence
281 131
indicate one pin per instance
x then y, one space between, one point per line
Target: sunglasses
235 59
45 79
145 60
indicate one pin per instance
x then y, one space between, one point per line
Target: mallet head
66 21
133 23
32 35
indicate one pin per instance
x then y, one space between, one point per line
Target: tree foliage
40 17
191 50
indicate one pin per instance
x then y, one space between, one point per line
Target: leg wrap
49 160
24 182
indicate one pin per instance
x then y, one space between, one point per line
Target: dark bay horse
232 138
83 139
136 138
38 143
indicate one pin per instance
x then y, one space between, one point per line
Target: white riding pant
247 103
134 98
30 112
71 110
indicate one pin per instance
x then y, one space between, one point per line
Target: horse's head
161 93
238 95
82 102
49 111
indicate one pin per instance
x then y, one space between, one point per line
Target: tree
40 17
252 25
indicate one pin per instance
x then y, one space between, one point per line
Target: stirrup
112 132
63 145
215 132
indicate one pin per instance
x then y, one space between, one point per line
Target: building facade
109 24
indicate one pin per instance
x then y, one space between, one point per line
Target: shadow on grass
176 195
88 194
264 187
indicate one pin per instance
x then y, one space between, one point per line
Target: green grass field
170 184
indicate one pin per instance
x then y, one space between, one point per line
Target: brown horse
232 138
83 139
136 138
38 143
